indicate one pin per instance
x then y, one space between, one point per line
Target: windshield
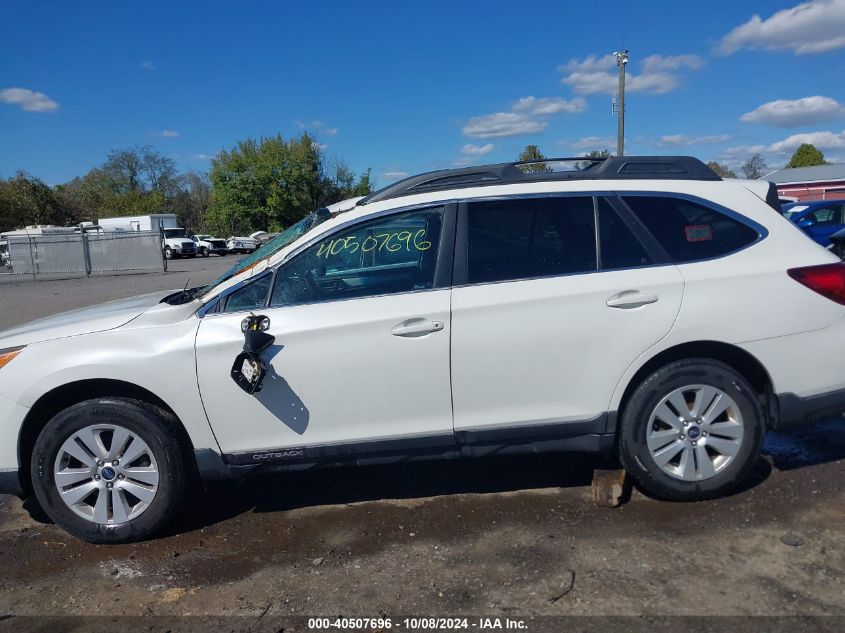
293 232
175 233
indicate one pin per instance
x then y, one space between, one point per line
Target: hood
105 316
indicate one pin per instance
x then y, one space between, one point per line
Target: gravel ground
509 537
23 299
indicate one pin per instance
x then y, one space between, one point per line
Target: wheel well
67 395
740 360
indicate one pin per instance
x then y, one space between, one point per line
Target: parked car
819 219
241 244
837 244
262 237
641 307
178 243
209 245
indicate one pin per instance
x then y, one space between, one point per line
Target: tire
159 473
204 251
729 442
168 254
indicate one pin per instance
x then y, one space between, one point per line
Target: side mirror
248 370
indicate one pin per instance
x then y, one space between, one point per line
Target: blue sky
403 87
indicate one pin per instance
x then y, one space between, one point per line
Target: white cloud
501 124
28 100
527 115
477 150
778 151
794 113
148 66
740 150
591 143
321 147
682 140
549 105
168 134
668 63
394 175
331 131
659 75
822 140
817 26
202 157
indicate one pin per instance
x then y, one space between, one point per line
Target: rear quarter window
689 231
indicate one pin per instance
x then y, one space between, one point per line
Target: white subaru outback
640 306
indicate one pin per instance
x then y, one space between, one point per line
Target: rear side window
524 238
620 248
689 231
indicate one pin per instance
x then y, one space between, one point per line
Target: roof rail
611 168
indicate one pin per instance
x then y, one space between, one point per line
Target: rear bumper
795 410
10 483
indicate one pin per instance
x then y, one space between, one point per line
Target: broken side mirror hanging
249 370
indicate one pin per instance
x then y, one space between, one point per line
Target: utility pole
621 61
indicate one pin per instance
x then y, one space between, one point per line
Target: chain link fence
82 253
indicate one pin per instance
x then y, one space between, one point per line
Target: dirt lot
508 537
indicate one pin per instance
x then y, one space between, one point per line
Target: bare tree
755 167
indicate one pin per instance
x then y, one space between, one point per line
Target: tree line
261 184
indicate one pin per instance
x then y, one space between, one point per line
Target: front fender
160 360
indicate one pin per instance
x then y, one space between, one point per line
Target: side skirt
588 436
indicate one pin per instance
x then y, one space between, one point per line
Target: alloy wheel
106 474
695 432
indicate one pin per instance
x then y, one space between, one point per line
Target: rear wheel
692 430
110 470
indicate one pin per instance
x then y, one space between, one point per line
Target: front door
361 358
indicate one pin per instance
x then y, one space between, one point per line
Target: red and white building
823 182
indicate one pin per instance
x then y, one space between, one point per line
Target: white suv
640 306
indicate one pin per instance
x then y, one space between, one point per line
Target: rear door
554 298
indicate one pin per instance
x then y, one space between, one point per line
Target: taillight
828 280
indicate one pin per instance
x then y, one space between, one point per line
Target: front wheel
168 253
204 251
692 430
110 470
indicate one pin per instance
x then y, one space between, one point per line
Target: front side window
389 255
532 237
826 215
689 231
251 297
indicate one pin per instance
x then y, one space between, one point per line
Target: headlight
9 353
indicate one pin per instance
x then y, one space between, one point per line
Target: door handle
417 327
628 299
